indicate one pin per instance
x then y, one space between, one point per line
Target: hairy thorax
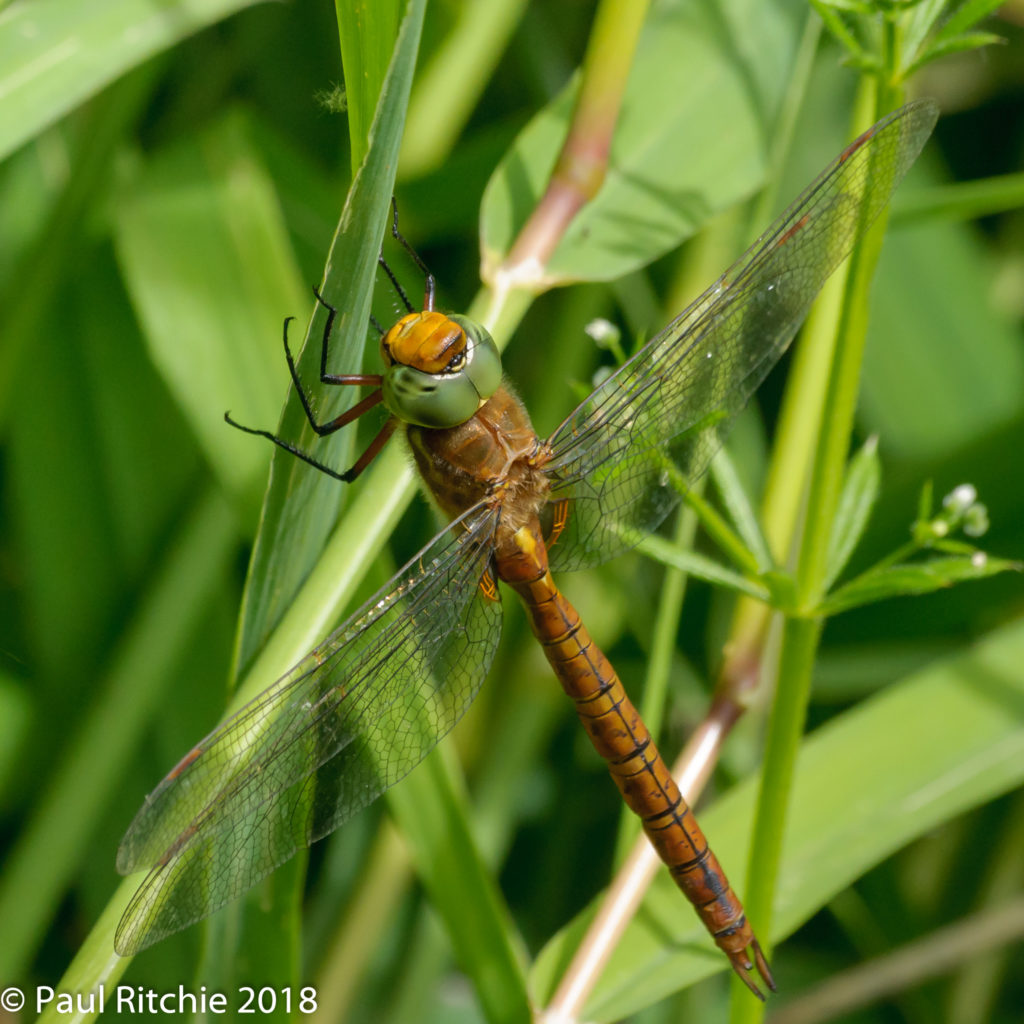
495 455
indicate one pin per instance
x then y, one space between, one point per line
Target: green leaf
207 260
916 27
950 370
91 765
55 54
860 492
967 14
859 7
741 512
301 505
367 29
849 811
901 580
968 41
671 166
966 200
432 811
703 568
837 28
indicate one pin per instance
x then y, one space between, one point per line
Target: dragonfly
361 710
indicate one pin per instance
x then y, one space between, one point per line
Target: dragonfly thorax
438 369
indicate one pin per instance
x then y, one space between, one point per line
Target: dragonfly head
438 369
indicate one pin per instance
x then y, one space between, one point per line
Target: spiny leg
428 277
325 377
373 449
349 416
354 413
351 379
400 291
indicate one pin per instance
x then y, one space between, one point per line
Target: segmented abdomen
621 738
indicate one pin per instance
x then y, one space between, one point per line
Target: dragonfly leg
559 518
324 429
400 291
428 277
350 474
340 379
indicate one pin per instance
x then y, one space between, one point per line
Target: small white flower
976 520
961 498
602 330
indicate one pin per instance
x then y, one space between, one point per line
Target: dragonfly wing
620 459
350 720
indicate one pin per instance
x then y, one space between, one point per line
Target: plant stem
580 169
798 421
785 727
802 630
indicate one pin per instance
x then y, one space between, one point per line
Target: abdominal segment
623 741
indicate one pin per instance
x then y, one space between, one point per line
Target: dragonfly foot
742 966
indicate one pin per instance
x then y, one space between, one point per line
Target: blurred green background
170 185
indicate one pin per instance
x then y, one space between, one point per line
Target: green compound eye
440 400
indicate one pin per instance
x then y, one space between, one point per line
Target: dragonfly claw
762 966
742 966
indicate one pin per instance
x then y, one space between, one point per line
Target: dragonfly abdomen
619 735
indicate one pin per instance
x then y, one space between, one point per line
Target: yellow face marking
427 341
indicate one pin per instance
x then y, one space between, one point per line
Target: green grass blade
966 200
453 78
138 677
432 812
207 260
300 507
55 55
367 31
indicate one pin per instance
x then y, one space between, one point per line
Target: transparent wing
653 425
347 722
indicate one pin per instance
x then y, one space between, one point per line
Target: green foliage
922 30
170 190
892 576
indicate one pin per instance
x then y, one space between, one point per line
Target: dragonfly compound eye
463 381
